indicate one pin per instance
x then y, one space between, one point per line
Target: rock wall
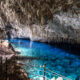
10 67
17 20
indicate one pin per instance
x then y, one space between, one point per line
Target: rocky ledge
10 68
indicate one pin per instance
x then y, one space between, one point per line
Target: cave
43 36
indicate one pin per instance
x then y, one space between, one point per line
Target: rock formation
10 68
43 20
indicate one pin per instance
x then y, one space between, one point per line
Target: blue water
57 60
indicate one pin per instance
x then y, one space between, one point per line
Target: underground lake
58 62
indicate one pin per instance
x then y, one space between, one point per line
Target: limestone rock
9 65
5 43
55 20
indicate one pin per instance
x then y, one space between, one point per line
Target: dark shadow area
8 29
68 47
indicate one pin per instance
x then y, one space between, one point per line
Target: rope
58 74
52 72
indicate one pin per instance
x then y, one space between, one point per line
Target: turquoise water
56 60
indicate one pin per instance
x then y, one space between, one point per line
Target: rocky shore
10 68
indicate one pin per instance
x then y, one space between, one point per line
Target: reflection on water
31 43
56 60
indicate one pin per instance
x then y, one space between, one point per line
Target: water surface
57 60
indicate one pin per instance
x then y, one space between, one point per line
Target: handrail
58 74
52 72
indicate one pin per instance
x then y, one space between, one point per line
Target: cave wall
41 20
